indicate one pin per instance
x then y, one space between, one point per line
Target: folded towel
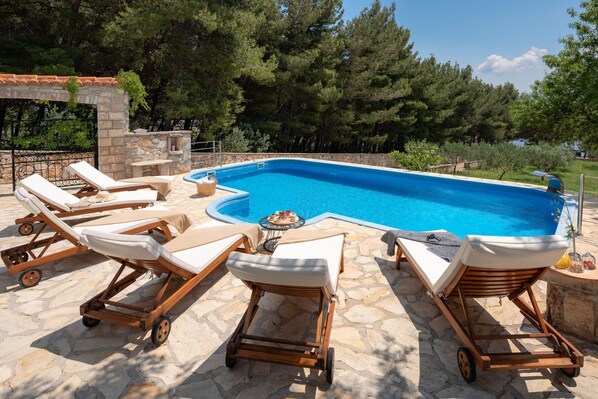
177 219
163 186
196 237
84 203
440 243
207 180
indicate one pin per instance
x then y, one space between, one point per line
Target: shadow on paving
278 316
115 356
9 282
439 374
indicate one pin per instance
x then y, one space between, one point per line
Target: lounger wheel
90 322
572 372
330 365
161 330
230 361
25 229
466 365
30 278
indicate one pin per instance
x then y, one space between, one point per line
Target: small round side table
274 231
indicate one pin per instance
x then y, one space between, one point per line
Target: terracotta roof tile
9 78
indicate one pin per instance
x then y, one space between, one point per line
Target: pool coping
239 195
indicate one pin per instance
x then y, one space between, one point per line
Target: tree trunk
2 118
76 4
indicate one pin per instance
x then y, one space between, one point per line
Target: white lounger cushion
193 260
313 263
493 252
329 248
59 198
49 192
100 180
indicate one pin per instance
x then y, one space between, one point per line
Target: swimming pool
380 197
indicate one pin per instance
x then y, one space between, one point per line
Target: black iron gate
52 165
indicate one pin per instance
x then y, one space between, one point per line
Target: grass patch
570 176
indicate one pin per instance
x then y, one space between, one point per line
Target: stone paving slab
390 339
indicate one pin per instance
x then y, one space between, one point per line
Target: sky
503 40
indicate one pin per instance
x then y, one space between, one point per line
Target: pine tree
377 67
190 54
304 40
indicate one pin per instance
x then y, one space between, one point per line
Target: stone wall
5 167
142 145
572 303
234 157
200 160
112 110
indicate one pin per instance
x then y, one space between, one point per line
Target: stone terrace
390 338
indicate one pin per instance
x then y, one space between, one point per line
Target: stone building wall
142 145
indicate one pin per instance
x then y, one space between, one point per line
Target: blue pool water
389 198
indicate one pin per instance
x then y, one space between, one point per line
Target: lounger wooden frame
27 257
61 213
316 355
148 317
90 189
475 282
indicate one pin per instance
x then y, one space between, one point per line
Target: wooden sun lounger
97 181
143 254
307 269
495 267
58 200
27 258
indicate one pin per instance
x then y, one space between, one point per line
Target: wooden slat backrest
477 282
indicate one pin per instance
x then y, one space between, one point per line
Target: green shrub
504 157
235 141
483 153
455 153
67 133
547 157
243 138
418 155
257 141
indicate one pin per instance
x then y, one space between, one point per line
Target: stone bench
158 167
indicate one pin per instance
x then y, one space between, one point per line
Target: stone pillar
113 123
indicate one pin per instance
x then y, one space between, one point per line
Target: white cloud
499 65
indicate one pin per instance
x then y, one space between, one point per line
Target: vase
589 261
576 265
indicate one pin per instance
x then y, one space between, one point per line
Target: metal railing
206 154
580 198
52 165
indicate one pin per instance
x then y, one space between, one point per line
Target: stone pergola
112 109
